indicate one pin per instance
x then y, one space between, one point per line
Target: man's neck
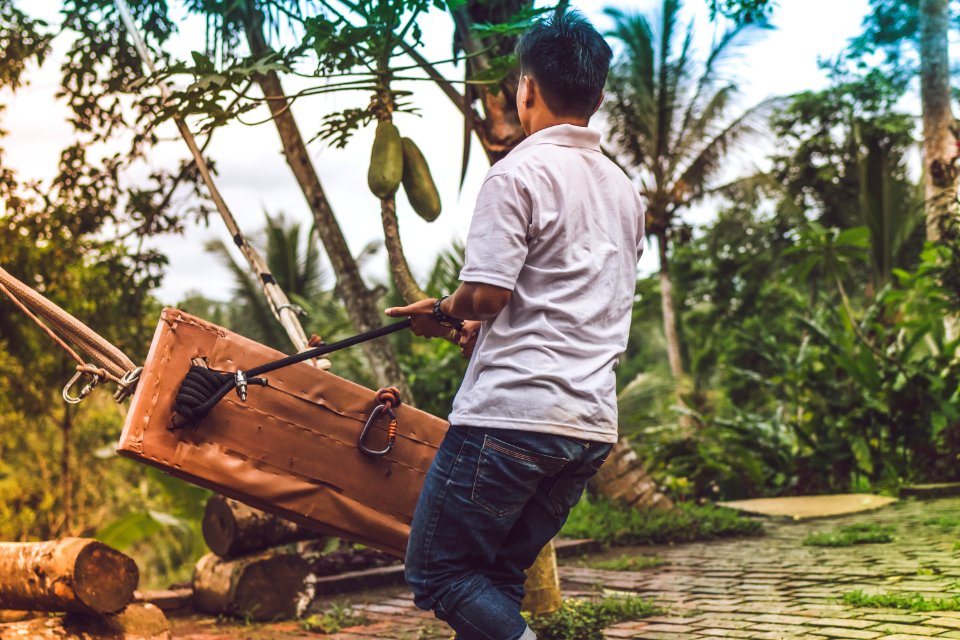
547 120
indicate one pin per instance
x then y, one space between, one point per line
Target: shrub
628 563
850 535
586 619
906 601
612 524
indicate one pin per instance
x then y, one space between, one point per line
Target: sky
254 178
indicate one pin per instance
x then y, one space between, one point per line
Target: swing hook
87 389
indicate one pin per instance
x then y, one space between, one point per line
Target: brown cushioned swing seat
291 448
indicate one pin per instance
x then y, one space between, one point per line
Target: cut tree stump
72 574
265 586
136 622
232 529
622 478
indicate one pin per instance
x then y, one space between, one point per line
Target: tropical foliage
804 339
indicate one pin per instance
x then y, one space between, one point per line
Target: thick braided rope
115 362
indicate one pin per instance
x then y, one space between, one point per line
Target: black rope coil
200 392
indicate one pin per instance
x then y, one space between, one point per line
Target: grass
907 601
586 619
628 563
334 620
943 522
611 524
850 535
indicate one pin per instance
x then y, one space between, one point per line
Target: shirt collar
565 135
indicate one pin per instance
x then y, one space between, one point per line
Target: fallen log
265 586
136 622
232 529
72 574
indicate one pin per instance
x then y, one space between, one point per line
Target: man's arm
471 301
495 253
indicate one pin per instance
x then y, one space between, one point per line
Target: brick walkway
768 587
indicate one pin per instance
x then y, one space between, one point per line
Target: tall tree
670 125
921 27
940 148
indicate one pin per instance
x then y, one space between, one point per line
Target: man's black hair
569 60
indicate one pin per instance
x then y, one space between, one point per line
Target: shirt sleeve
499 232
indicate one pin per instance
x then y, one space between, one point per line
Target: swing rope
111 363
281 307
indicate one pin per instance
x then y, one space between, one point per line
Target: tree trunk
622 478
939 143
72 574
231 528
264 586
409 290
136 622
669 316
543 584
365 314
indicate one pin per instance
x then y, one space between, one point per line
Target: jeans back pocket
508 475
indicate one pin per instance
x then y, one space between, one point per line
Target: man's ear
599 102
529 90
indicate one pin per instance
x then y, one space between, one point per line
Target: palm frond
692 181
252 316
445 274
631 103
664 38
724 50
678 75
693 135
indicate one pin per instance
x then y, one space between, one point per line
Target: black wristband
443 319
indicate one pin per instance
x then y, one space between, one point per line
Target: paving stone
726 633
759 588
914 629
896 617
950 622
844 632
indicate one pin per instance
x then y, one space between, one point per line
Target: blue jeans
491 500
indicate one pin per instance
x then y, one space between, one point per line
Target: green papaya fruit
386 161
418 183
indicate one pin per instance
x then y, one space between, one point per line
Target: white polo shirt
562 226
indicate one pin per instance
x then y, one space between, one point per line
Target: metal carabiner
127 384
84 391
391 431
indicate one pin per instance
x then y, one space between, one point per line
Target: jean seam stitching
473 626
442 498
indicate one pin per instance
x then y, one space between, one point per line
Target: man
546 294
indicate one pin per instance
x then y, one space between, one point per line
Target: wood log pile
91 584
252 572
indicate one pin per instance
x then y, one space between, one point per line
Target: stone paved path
767 587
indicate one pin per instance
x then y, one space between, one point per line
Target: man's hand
467 337
421 318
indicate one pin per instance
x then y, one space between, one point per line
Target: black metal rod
328 348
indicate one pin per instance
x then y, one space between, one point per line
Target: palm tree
668 115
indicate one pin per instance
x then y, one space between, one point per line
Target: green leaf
861 453
129 529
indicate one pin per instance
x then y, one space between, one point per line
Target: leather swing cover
291 448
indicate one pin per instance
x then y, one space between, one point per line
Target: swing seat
291 448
